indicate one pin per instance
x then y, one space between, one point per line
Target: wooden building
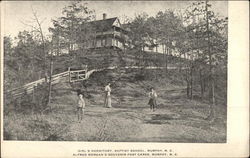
108 33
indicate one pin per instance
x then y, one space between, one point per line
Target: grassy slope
176 119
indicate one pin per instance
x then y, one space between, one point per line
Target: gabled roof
103 25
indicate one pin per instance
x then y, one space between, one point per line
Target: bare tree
38 28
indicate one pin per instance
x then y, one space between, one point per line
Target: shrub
35 102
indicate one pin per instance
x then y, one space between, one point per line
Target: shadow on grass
94 114
162 118
132 108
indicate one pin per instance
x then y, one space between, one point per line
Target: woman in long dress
107 101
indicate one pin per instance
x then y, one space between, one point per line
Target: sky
15 13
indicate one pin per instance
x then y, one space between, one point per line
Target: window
103 42
106 42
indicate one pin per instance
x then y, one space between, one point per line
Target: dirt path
167 124
176 119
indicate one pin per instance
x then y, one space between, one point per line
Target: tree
25 56
206 36
36 25
8 61
73 30
138 34
40 31
169 27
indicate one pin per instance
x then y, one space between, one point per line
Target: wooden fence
77 75
70 76
30 87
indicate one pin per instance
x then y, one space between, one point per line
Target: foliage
23 63
72 28
34 103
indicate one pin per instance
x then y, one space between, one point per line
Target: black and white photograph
115 71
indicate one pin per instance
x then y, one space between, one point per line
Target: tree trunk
43 44
188 90
33 100
201 84
180 63
166 57
212 99
205 82
191 82
50 80
143 56
211 115
188 85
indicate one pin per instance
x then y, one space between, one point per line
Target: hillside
101 58
177 119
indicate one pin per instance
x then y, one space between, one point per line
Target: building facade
108 33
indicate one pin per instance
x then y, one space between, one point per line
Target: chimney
104 15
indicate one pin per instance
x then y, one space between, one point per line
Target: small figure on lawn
107 99
80 106
152 99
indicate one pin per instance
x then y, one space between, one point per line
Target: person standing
80 107
152 99
107 99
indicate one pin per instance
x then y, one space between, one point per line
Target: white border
238 109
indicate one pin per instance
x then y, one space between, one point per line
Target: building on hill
109 33
105 33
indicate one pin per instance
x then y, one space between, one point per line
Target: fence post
69 74
86 72
33 101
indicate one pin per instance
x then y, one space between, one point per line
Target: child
152 99
80 107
